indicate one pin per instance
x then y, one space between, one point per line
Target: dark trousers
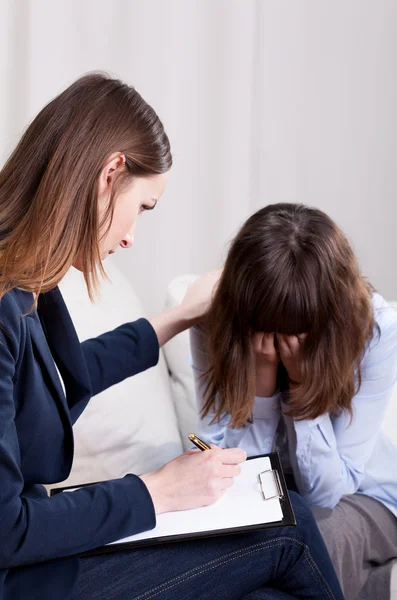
280 563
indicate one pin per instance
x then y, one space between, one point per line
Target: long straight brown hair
290 270
49 185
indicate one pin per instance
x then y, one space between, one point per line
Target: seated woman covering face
299 355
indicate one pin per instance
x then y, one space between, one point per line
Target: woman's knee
305 521
300 506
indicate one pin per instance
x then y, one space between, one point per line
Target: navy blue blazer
36 444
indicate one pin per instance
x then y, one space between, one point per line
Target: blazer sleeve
121 353
40 529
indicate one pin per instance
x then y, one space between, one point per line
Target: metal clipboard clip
275 484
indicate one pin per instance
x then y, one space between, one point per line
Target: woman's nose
127 241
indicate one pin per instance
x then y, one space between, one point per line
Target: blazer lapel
46 360
43 353
64 345
55 340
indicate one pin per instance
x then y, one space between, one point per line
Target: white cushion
131 427
177 354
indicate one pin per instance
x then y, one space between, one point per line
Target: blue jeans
280 564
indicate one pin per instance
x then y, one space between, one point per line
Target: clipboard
270 484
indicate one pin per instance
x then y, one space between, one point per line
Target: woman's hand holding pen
194 479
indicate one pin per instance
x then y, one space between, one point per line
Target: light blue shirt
329 456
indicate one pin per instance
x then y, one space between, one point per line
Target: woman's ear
113 164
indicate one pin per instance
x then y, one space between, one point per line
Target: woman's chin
78 263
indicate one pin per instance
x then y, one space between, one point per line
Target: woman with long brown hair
299 354
95 158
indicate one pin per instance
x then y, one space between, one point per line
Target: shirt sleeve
36 529
329 454
121 353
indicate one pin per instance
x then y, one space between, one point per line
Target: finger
215 447
257 341
228 471
283 346
233 456
293 344
268 344
301 337
227 482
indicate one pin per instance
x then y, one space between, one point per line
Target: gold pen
197 442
